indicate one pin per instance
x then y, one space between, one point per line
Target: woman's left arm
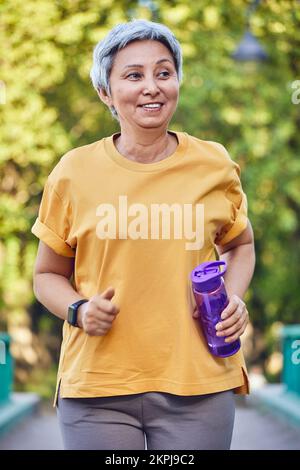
239 255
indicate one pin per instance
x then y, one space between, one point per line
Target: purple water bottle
211 299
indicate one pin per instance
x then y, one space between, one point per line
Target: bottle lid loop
207 276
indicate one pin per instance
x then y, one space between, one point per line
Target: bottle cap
207 276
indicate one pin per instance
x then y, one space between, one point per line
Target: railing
6 369
291 358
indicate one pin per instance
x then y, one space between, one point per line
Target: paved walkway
253 430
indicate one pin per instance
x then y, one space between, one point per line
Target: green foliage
46 53
42 382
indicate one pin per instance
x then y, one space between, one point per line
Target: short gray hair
119 37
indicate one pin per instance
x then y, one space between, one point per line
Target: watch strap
73 311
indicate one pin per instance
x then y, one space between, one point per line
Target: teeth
151 105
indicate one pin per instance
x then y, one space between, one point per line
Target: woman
129 217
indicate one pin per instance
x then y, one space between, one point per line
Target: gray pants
164 420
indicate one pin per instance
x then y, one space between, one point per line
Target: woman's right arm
51 281
52 288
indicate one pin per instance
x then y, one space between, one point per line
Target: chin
152 125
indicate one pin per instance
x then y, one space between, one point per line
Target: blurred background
241 87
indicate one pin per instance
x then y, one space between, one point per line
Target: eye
133 73
138 74
166 73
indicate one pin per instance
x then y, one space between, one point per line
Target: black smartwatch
72 312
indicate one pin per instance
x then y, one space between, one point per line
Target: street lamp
249 48
152 6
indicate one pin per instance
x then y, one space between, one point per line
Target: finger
234 318
108 293
98 332
108 318
233 304
234 337
195 313
242 322
105 325
107 306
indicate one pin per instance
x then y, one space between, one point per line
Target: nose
150 86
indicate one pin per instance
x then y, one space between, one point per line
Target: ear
104 97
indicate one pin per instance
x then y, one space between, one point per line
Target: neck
146 146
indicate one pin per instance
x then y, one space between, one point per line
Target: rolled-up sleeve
53 223
235 218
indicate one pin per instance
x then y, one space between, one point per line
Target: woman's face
143 72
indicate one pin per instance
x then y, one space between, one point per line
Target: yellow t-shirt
143 228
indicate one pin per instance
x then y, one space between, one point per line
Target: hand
97 315
236 318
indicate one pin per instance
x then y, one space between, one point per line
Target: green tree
46 53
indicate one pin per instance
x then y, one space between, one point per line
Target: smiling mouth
152 109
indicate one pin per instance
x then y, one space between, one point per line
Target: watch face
72 312
72 316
